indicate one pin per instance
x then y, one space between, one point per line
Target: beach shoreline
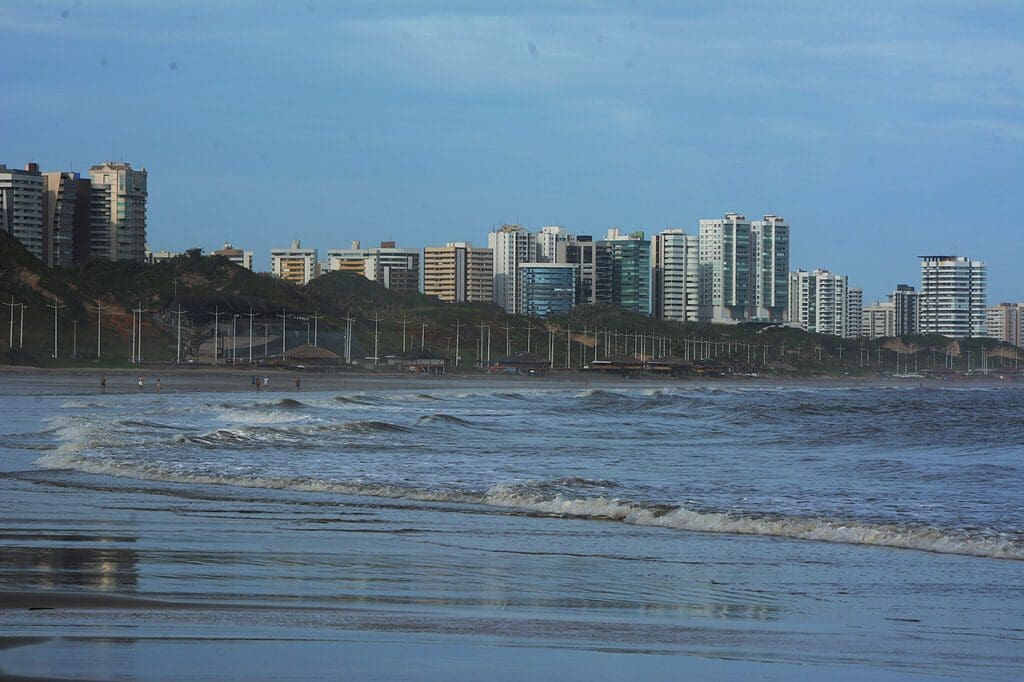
82 381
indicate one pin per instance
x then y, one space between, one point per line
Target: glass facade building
630 258
547 288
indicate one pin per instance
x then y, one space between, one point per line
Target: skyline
863 127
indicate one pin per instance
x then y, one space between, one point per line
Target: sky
880 130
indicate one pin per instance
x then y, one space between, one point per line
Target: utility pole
250 315
266 338
21 331
508 340
483 326
551 347
376 338
216 326
99 310
74 337
56 306
458 326
284 330
568 348
11 305
529 329
404 322
348 338
316 319
137 355
234 338
179 313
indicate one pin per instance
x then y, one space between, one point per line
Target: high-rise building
100 235
906 310
854 311
547 288
879 320
347 260
819 302
294 264
236 256
392 267
126 194
769 248
630 257
510 246
60 205
1005 322
594 279
725 270
952 301
21 207
551 244
458 273
676 276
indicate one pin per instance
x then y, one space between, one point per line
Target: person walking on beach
103 383
266 380
298 383
157 385
252 382
140 383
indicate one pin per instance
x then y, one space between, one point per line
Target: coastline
21 380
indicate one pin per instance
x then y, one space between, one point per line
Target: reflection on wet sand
105 569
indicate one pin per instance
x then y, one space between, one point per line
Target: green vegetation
432 328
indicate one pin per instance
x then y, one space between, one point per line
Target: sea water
861 528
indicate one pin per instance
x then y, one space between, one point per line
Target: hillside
432 328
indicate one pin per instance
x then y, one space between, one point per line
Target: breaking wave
524 498
442 419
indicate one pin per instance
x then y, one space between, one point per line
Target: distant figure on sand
266 380
157 385
103 383
140 383
298 383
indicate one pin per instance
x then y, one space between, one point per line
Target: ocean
724 529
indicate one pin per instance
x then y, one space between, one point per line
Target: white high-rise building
510 246
675 261
551 244
726 282
819 302
879 320
854 311
1005 322
21 207
125 190
294 264
952 301
769 245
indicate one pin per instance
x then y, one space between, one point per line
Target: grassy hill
431 327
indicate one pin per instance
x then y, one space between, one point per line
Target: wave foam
799 528
598 508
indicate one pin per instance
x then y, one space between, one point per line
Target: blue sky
880 130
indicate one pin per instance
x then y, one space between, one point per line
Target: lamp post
99 312
250 315
56 306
